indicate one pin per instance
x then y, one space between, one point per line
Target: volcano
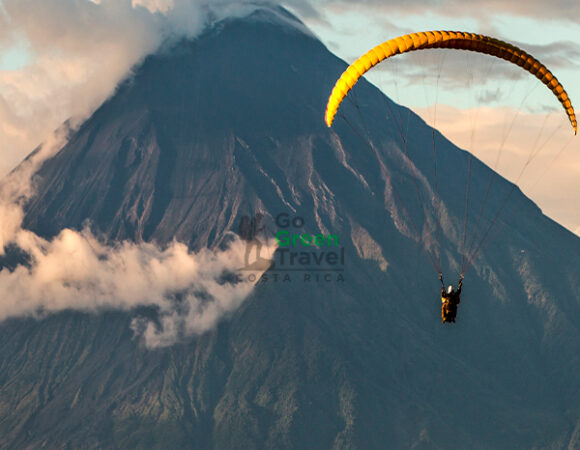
210 130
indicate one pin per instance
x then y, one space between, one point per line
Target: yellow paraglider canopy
446 39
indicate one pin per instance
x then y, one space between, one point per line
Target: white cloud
79 52
76 271
483 9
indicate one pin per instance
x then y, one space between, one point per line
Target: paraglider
457 41
446 39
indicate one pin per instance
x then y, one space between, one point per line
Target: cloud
79 51
483 9
75 271
489 95
190 291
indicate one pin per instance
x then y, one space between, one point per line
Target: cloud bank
189 291
482 9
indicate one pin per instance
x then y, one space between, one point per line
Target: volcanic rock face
230 124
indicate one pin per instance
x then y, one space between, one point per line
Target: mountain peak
256 12
186 108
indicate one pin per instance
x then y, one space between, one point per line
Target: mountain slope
230 124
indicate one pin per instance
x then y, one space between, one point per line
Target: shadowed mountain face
231 124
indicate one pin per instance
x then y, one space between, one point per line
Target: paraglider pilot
449 300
